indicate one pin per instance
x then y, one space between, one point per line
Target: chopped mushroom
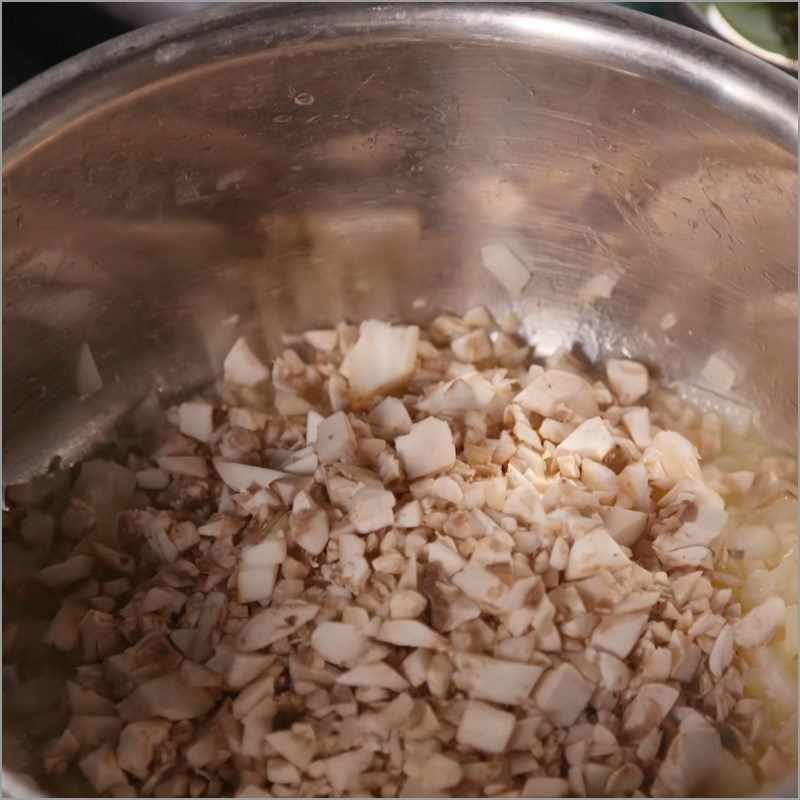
718 373
692 760
507 267
722 652
66 573
410 633
390 418
405 561
406 604
242 366
624 524
378 676
436 773
650 706
561 395
273 624
244 476
485 727
59 753
601 285
296 745
248 418
637 422
196 420
187 466
383 358
562 694
88 378
338 642
594 551
504 682
258 569
371 509
167 696
590 439
344 770
472 347
428 448
101 769
628 380
137 745
335 440
311 530
152 478
325 340
678 456
618 633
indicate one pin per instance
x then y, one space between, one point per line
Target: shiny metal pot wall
268 168
273 167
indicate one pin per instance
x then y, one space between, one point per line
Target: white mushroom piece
196 420
258 569
339 643
562 694
334 439
273 624
240 477
88 376
485 727
503 682
591 439
499 260
242 366
389 418
592 552
382 359
561 395
628 379
427 448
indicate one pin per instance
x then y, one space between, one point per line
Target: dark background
39 35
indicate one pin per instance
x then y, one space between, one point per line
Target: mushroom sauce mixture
407 562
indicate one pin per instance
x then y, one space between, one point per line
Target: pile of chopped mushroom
413 564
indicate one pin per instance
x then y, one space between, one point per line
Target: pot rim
738 81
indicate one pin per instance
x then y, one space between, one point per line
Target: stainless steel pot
273 167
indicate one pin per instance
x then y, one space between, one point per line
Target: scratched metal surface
267 169
295 166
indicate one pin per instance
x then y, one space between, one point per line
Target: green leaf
771 26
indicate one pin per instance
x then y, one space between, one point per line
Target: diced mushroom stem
484 727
